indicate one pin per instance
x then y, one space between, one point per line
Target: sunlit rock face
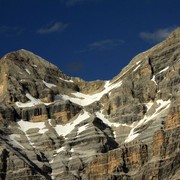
53 126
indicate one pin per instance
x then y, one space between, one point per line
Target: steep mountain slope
57 127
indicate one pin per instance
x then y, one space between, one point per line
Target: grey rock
129 132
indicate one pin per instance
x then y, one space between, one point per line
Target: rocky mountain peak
26 71
23 55
19 61
58 127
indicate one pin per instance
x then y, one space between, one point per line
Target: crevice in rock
124 167
48 112
152 69
5 155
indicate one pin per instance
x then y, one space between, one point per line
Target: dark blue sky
91 39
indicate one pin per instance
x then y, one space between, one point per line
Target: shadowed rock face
53 126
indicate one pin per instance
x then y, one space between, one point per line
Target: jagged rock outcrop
53 126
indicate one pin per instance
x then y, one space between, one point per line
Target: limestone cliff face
53 126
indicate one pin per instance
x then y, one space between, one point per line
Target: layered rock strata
53 126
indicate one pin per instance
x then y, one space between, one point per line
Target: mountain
53 126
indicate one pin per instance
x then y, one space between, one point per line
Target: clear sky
91 39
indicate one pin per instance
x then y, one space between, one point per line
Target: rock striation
53 126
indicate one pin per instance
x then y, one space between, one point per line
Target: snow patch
50 162
136 68
106 121
85 99
26 125
162 105
165 69
72 150
82 128
49 85
153 79
49 121
138 62
60 149
63 130
66 80
114 132
131 137
56 152
28 71
33 102
14 141
149 105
